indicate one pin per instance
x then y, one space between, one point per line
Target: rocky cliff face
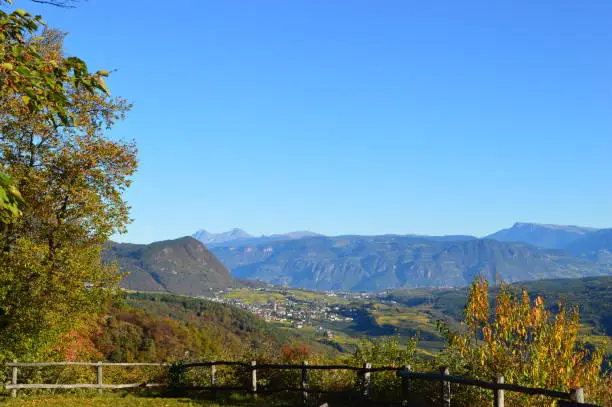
382 262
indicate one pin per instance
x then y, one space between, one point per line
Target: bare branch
58 3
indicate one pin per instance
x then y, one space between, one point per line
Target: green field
109 401
250 296
87 399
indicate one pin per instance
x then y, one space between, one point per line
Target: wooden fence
570 399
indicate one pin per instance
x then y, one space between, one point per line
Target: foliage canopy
523 341
53 118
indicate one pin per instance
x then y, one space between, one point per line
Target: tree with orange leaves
526 343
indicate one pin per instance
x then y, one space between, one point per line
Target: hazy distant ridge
381 262
542 235
238 237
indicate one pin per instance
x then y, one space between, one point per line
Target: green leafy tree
11 200
53 118
385 351
38 82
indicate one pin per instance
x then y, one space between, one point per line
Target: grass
105 401
311 296
407 318
124 399
249 296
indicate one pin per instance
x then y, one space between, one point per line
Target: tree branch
57 3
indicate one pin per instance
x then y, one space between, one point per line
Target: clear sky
369 117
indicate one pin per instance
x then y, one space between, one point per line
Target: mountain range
546 236
363 263
526 251
238 237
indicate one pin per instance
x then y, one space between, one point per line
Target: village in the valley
295 312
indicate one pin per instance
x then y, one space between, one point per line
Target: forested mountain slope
162 327
181 266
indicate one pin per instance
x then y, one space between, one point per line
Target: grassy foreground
105 401
135 400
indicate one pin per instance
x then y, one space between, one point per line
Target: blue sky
365 117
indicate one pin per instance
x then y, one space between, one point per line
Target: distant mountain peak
237 237
238 233
568 228
548 236
298 234
207 237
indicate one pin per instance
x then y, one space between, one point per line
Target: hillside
181 266
149 327
592 296
382 262
545 236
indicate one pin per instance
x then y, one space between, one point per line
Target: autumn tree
53 118
525 342
37 81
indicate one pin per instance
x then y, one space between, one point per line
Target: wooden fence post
305 382
366 379
446 389
253 377
99 376
577 395
213 380
405 387
498 395
14 379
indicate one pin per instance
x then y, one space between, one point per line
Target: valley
335 291
312 203
341 319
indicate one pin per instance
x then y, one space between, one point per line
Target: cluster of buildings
290 311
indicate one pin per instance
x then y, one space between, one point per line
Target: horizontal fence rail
281 366
45 364
576 395
569 399
83 386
